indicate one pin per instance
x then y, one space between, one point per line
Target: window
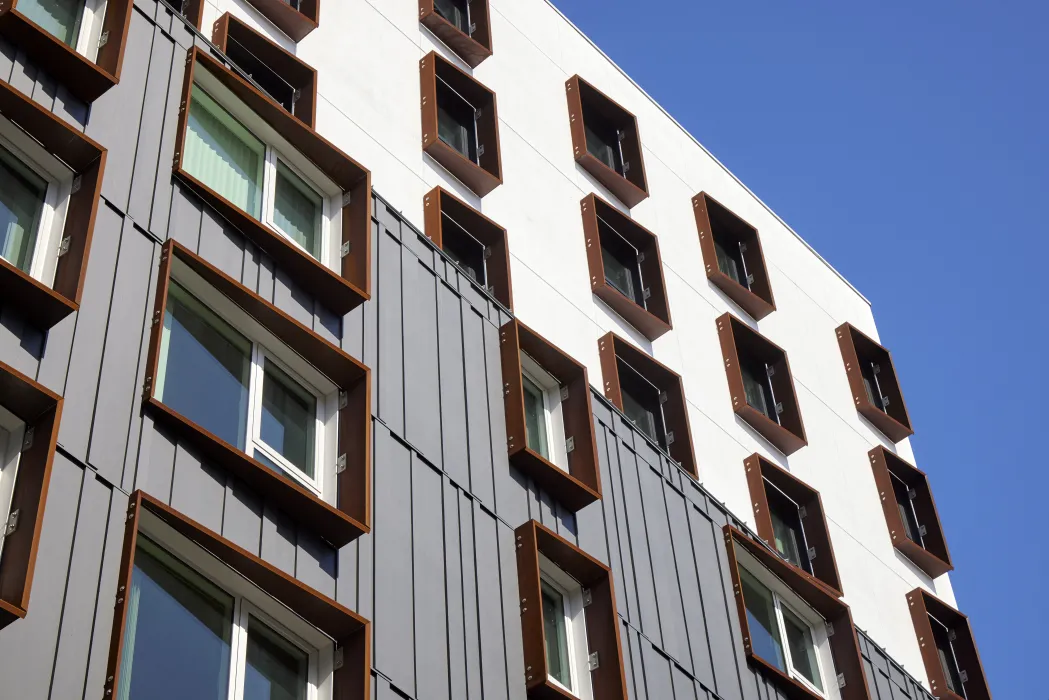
606 142
197 616
472 241
650 395
296 18
795 631
733 258
463 25
948 648
910 512
626 271
549 417
261 395
788 515
460 124
568 619
781 636
287 80
875 387
75 23
29 417
761 384
274 179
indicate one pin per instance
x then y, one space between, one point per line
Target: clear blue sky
907 142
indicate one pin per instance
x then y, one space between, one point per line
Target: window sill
782 439
546 689
791 688
650 325
464 46
85 80
624 190
756 307
302 505
568 490
922 558
479 180
287 19
38 304
889 426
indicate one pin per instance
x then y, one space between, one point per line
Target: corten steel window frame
814 523
675 410
787 436
654 320
602 621
296 24
758 300
922 604
439 201
85 79
934 558
844 645
895 424
472 48
338 524
40 409
341 291
287 66
480 178
631 189
578 484
351 632
44 306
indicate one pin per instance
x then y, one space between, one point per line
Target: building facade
559 410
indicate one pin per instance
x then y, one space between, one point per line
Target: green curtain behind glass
297 210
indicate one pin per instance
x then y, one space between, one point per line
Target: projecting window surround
874 383
234 642
949 653
564 630
244 160
225 372
785 632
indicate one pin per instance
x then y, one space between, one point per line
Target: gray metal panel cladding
437 575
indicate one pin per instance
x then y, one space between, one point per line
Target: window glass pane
761 619
276 669
205 367
289 418
870 383
730 258
456 124
802 648
297 210
756 388
535 417
554 629
945 651
455 11
223 154
602 141
60 18
465 250
22 195
641 403
177 638
787 528
622 269
643 418
906 508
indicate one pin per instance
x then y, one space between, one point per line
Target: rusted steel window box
468 34
955 632
349 515
875 387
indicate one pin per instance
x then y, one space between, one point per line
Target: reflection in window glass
22 195
535 417
802 648
762 622
275 669
205 367
288 418
224 155
177 637
555 631
60 18
297 210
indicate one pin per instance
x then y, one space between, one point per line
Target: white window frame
575 628
278 148
12 433
24 148
249 600
266 346
782 597
91 29
552 413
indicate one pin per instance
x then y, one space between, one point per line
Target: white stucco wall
367 53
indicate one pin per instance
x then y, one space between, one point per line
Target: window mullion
238 651
255 396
